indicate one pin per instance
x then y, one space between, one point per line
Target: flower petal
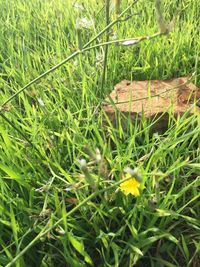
130 186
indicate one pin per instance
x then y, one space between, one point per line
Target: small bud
130 42
134 173
152 203
41 102
83 23
82 162
98 155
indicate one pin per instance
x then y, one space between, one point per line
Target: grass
49 214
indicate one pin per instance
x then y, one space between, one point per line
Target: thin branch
47 229
68 58
107 11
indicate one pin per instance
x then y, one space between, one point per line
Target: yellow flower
130 186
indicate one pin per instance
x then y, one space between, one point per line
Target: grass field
55 208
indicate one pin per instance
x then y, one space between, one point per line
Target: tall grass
49 215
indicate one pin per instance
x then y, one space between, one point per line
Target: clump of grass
49 213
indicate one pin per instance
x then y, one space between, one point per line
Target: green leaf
137 250
194 165
79 246
185 248
13 175
163 213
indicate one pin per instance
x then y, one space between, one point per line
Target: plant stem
66 59
46 231
107 11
